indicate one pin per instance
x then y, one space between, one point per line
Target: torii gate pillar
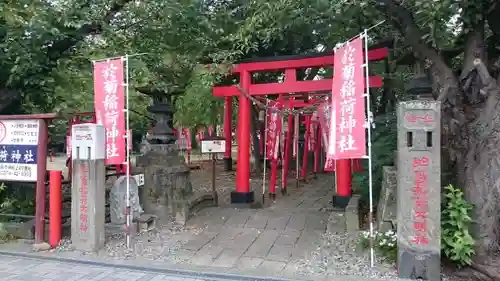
243 195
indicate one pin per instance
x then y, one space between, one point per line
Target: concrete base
419 265
340 201
242 197
228 164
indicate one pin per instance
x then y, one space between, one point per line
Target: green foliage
385 243
17 198
457 242
384 144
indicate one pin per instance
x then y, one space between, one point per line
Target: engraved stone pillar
419 190
88 187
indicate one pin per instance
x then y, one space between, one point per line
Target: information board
213 146
18 150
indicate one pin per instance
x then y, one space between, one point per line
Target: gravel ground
340 254
161 244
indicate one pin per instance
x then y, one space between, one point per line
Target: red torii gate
243 194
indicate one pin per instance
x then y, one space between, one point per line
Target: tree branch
58 48
402 19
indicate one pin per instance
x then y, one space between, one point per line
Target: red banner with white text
184 139
109 103
324 121
273 129
347 137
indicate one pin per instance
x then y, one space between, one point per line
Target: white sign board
213 146
19 149
87 141
139 179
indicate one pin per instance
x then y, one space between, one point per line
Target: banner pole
127 172
370 176
265 153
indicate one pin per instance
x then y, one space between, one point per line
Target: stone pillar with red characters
88 187
419 190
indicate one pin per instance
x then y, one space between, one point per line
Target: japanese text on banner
273 129
109 103
347 133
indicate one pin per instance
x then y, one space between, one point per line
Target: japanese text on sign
18 149
109 104
84 192
420 195
347 132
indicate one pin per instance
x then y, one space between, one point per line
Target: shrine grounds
299 236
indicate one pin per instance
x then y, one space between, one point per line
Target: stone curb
206 275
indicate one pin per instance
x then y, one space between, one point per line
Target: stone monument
387 204
167 187
88 187
118 200
419 185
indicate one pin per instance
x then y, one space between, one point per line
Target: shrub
457 243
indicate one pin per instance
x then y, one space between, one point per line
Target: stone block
145 223
387 204
118 200
352 214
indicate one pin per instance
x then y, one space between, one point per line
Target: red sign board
347 134
109 104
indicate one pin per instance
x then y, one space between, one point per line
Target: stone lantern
420 88
167 187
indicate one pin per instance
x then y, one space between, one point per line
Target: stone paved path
269 241
23 269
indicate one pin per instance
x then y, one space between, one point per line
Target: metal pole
370 176
296 144
214 190
265 152
127 172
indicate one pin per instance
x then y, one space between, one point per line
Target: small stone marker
88 187
387 202
419 190
118 200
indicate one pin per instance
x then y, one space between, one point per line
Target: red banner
273 129
347 137
200 134
109 103
187 134
68 146
184 139
324 121
295 135
312 132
